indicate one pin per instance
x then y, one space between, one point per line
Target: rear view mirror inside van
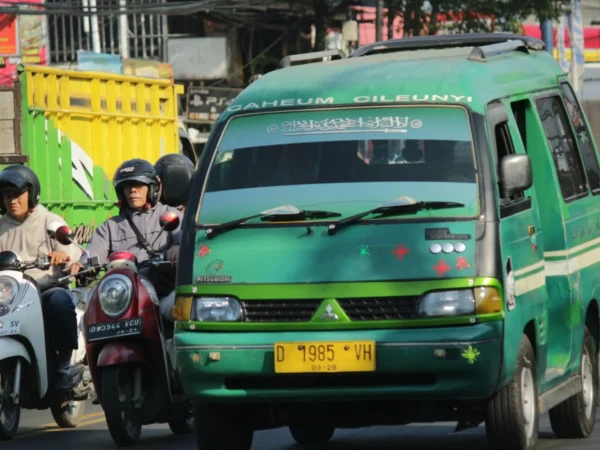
515 174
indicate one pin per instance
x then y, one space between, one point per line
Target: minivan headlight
115 292
216 309
8 292
447 303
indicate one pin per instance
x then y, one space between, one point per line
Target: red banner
9 43
21 41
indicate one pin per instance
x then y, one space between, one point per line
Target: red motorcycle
130 350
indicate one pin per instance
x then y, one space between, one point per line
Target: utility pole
123 30
379 21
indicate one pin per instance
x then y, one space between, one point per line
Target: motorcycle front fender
117 353
11 348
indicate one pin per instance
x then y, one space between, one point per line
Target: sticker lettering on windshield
385 124
398 98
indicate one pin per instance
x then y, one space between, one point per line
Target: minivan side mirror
515 174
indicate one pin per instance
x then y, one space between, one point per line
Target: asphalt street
38 431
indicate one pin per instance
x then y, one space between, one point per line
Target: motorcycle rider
138 190
23 230
174 163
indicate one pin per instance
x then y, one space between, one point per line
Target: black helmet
20 178
137 170
179 170
173 159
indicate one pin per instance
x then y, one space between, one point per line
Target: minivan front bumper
444 363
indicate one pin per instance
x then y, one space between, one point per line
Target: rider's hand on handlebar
75 268
172 254
57 258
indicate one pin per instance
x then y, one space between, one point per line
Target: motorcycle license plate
10 327
109 330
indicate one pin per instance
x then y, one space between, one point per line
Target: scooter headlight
8 292
115 292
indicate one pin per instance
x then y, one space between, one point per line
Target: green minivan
407 234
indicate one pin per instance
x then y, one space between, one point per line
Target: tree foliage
471 15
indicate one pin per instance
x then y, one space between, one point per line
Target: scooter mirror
8 259
64 235
53 227
169 221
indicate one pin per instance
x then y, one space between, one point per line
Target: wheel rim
528 400
128 415
73 408
587 379
8 411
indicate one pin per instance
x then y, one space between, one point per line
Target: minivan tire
311 434
512 414
575 418
222 427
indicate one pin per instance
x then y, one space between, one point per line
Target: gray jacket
117 235
29 240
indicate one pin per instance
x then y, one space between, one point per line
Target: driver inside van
301 163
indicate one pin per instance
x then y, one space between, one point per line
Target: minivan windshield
343 160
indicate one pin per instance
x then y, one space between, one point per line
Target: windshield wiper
402 205
280 214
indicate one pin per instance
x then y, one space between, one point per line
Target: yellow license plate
318 357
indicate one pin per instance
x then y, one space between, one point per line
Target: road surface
38 431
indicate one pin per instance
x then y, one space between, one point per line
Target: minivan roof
436 72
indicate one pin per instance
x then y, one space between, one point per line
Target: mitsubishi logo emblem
329 315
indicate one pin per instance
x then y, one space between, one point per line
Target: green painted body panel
276 254
440 76
50 156
398 352
549 252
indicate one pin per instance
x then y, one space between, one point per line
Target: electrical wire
171 8
265 51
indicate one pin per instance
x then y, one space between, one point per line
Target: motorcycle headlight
115 292
151 290
216 309
447 303
8 292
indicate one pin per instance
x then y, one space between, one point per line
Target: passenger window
519 110
582 133
505 147
562 145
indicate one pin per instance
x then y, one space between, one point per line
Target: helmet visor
14 181
139 179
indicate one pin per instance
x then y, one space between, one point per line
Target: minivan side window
567 162
582 133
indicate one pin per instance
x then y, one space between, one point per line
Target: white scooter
27 357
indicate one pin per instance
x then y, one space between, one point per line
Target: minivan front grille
381 308
280 310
